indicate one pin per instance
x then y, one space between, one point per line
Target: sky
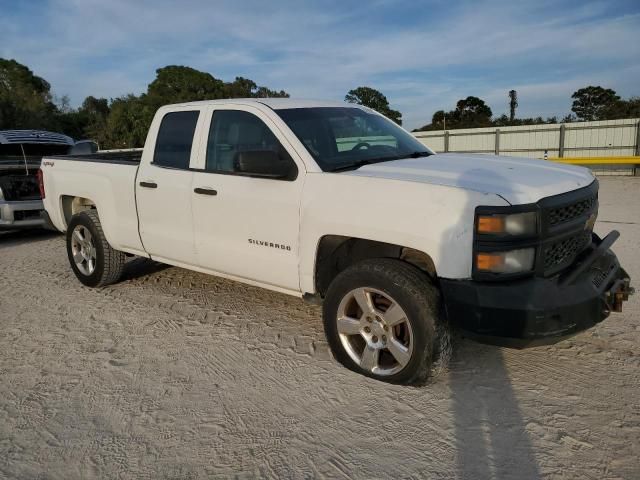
423 55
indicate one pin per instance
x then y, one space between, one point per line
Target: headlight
515 224
510 261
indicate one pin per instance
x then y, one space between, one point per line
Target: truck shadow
490 432
490 435
12 238
141 267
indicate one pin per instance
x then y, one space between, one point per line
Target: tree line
27 102
589 103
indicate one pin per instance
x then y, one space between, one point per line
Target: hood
517 180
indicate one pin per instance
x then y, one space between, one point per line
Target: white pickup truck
337 204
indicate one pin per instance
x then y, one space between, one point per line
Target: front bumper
537 310
20 214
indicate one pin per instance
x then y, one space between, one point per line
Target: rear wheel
381 318
92 259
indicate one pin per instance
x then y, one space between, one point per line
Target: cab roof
273 103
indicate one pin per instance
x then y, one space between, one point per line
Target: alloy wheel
375 331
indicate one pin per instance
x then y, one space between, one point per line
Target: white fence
608 138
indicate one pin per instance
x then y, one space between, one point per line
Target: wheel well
336 253
72 205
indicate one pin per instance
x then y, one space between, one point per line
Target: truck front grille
565 251
567 221
564 234
567 213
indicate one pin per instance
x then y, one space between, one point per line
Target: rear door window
175 139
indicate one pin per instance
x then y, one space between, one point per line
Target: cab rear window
175 139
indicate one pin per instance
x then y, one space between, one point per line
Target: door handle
149 184
205 191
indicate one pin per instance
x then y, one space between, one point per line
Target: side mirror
84 147
264 163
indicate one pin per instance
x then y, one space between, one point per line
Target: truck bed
127 157
106 180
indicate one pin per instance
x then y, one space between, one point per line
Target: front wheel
381 319
92 259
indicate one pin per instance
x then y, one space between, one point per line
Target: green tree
26 102
244 88
372 98
264 92
471 112
127 123
439 120
593 103
632 108
128 118
96 107
176 84
94 113
504 121
623 109
25 98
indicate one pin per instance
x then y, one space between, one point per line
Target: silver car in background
21 152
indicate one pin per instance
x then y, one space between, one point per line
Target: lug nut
384 338
367 329
386 328
369 319
374 339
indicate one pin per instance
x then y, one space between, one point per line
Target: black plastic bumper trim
600 250
534 310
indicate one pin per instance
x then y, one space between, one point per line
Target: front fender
434 219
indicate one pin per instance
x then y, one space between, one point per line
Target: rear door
163 187
246 221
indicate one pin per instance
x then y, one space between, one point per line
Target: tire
85 230
408 342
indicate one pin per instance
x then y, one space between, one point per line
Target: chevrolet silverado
336 204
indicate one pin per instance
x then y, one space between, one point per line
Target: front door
246 201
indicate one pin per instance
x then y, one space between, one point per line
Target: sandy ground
174 374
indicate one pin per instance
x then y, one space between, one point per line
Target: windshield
342 138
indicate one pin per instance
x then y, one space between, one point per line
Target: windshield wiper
370 161
416 155
352 166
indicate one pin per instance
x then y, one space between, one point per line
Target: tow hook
618 294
